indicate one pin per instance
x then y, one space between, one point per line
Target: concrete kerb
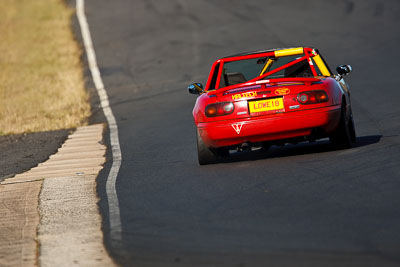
49 214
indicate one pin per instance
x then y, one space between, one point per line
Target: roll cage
303 62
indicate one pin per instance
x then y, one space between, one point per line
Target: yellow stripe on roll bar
321 65
289 52
269 62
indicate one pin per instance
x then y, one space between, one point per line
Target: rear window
235 72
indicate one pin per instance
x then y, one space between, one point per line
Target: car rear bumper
268 128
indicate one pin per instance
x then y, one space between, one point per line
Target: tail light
219 109
312 97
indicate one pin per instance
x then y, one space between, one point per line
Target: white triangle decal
237 127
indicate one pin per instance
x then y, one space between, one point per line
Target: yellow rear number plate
274 104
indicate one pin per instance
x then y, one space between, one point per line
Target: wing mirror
343 70
195 88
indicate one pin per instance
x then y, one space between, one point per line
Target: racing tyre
205 154
352 129
345 134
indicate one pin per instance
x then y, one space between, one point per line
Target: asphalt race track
304 205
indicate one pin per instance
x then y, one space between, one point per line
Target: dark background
304 205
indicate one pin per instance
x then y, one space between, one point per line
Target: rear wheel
352 129
205 154
345 134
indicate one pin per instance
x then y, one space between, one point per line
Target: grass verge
41 79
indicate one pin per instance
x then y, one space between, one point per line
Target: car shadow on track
321 146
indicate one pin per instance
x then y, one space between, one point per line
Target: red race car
271 97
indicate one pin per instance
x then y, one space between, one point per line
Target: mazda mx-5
271 97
